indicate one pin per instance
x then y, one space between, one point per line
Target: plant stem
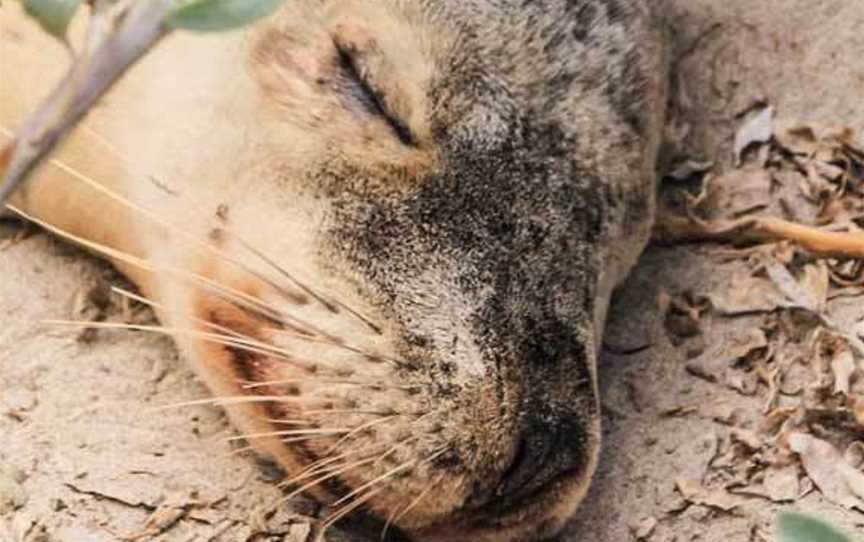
111 50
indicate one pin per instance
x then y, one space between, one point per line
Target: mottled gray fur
547 117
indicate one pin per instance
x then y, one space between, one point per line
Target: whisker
245 345
339 471
162 222
398 515
323 464
331 306
360 501
369 356
293 297
353 411
251 447
375 481
291 381
251 385
287 421
237 297
155 305
288 433
236 400
358 430
371 491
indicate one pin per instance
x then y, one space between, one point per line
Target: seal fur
390 237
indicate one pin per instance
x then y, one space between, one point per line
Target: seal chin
536 515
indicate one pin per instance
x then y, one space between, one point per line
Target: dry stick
133 34
825 244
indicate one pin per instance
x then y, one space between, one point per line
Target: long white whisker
163 308
289 433
398 515
330 305
252 346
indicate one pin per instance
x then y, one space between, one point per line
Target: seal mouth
342 435
363 437
267 382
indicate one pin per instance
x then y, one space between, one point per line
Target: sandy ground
85 454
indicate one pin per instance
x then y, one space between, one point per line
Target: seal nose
547 450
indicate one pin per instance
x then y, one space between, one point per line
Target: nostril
536 445
547 450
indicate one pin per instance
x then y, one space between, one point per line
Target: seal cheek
231 354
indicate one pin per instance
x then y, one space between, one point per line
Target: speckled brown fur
453 188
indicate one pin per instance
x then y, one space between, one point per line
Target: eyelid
351 59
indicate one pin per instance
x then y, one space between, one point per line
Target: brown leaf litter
796 201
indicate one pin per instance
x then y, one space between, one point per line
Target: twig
111 49
819 242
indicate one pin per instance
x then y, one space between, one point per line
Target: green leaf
53 15
794 527
216 15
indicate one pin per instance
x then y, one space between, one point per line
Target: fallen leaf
781 483
797 294
644 528
679 411
737 193
796 138
854 454
694 492
689 169
816 280
757 129
743 346
726 413
777 418
743 382
700 369
747 295
843 366
746 437
839 482
809 139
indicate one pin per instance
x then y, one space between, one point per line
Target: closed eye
371 98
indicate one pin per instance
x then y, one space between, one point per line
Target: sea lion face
449 177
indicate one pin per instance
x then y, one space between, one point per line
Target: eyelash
372 99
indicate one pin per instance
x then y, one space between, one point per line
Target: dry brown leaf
693 491
743 382
856 405
839 482
680 411
781 483
796 138
843 367
742 347
747 295
644 528
757 129
737 193
689 169
816 280
809 139
798 294
726 413
854 454
748 438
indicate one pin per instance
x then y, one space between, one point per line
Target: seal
385 234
